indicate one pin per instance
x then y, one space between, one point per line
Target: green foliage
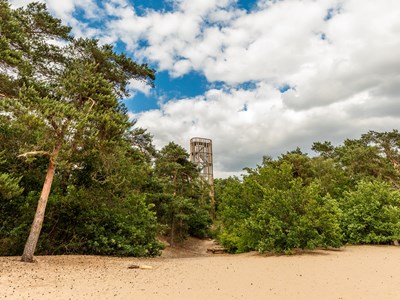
10 204
199 221
15 221
116 68
63 94
9 186
298 217
371 213
280 213
233 208
347 194
122 227
182 203
374 155
25 47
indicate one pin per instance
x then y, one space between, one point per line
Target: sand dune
356 272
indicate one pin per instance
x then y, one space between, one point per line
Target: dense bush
199 221
233 207
118 227
371 213
346 194
282 214
85 223
299 217
15 221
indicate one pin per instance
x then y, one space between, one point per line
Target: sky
258 77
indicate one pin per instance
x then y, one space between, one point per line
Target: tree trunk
172 233
33 238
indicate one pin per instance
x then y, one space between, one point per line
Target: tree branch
54 124
91 106
34 153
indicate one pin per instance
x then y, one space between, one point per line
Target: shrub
299 217
280 213
85 223
371 213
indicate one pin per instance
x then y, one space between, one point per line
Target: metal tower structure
201 155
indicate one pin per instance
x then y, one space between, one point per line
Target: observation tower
202 156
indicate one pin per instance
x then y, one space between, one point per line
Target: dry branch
34 153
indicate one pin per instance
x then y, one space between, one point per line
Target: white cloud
139 86
19 3
339 58
265 127
282 42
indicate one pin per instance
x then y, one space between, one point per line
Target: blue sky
258 77
166 86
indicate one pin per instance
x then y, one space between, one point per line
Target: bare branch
34 153
91 106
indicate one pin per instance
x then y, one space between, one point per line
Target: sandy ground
359 272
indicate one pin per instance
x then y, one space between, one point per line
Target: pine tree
64 94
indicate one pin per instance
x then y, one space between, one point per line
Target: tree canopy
344 194
62 94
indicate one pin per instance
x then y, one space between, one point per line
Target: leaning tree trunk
33 238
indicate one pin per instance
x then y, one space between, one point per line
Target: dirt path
191 247
361 272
